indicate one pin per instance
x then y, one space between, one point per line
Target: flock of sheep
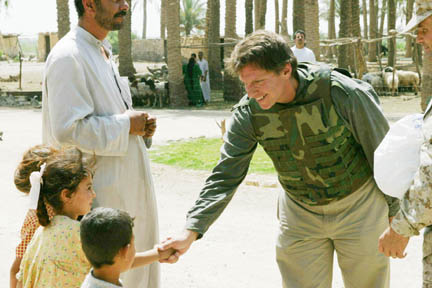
389 82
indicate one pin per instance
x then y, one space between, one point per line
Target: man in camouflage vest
320 128
415 208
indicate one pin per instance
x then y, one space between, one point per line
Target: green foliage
113 39
203 154
192 16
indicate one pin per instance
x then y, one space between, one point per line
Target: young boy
108 243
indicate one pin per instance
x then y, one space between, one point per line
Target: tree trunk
372 55
249 17
232 87
163 20
360 62
276 16
284 20
298 15
177 89
257 11
426 90
382 20
126 67
311 23
260 10
331 27
144 32
409 40
365 20
391 25
344 31
214 56
63 22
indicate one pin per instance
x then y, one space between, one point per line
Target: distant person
192 75
54 257
86 103
205 77
301 52
108 242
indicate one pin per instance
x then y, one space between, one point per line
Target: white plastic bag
397 158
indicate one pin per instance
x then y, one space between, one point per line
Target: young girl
31 161
54 257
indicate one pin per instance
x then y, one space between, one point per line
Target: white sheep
408 79
391 83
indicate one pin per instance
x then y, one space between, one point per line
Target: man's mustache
121 13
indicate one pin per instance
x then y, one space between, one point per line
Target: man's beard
106 21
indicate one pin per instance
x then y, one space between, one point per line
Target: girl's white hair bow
35 182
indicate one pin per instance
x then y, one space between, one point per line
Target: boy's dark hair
264 49
300 32
104 231
79 7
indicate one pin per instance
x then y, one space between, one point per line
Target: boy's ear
124 250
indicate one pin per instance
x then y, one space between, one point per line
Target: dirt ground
238 250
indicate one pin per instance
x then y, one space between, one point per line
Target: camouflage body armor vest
316 156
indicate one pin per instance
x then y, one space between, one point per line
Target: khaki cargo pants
309 235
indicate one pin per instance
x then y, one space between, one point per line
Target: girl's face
80 202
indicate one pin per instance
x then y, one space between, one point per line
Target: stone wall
148 50
9 45
44 49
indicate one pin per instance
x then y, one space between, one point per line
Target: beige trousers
309 235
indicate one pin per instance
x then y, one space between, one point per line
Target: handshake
141 123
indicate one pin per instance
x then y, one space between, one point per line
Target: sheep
375 80
391 80
409 80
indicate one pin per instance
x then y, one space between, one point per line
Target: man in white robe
86 103
205 77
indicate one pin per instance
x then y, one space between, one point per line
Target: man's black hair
301 32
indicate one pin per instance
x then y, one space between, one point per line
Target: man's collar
87 36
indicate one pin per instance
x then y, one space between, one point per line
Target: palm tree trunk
298 15
126 67
365 24
382 20
391 25
284 20
276 16
249 17
163 20
213 37
63 22
426 90
331 27
263 12
177 89
257 10
409 41
232 87
372 55
144 32
311 23
344 31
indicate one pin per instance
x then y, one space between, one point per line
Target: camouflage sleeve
416 206
363 116
236 153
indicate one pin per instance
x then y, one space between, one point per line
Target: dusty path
238 250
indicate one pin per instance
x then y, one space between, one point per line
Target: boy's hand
165 254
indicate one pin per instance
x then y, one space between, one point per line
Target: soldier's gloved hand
392 244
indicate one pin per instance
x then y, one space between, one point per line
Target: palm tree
63 22
260 9
284 20
144 32
175 77
372 55
192 16
311 23
213 38
298 15
391 25
126 67
382 20
163 20
232 87
344 31
331 26
408 41
276 16
249 18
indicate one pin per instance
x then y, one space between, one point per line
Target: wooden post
393 39
20 71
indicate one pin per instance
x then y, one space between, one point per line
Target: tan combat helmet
423 11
